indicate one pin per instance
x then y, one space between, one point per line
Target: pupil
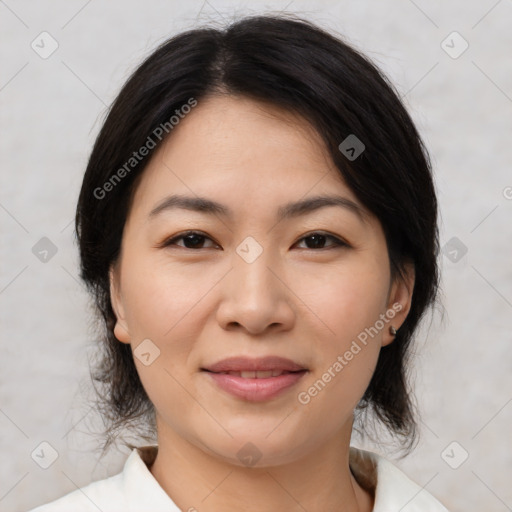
318 239
194 238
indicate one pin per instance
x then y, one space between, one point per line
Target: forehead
240 151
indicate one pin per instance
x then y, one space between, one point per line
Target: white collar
393 489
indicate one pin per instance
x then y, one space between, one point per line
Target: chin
256 448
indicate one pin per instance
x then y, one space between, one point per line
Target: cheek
346 300
160 301
164 305
347 304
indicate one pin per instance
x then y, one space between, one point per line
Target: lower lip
256 390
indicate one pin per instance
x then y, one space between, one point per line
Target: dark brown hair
294 64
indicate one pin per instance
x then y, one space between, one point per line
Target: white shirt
135 489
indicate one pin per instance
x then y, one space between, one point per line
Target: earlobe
399 303
120 329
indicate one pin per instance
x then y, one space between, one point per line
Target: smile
256 374
255 380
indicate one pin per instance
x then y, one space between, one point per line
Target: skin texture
201 305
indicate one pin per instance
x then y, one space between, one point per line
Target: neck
317 482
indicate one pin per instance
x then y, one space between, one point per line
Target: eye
191 239
317 240
196 239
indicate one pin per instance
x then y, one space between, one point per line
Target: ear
399 302
121 331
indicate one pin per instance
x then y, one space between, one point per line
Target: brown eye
317 241
196 240
191 240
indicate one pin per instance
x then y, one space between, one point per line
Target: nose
256 297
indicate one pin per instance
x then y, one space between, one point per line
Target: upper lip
241 363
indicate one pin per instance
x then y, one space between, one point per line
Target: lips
256 374
255 380
263 364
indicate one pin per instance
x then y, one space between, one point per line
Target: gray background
52 109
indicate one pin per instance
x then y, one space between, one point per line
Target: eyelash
336 241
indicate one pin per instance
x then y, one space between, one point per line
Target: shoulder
392 489
99 495
133 489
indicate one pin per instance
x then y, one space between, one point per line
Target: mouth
255 380
258 374
242 364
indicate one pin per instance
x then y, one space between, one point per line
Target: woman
258 226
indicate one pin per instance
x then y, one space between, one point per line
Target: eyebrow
287 211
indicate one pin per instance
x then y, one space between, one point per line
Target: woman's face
260 280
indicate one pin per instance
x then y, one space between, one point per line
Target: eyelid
168 241
337 240
324 233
